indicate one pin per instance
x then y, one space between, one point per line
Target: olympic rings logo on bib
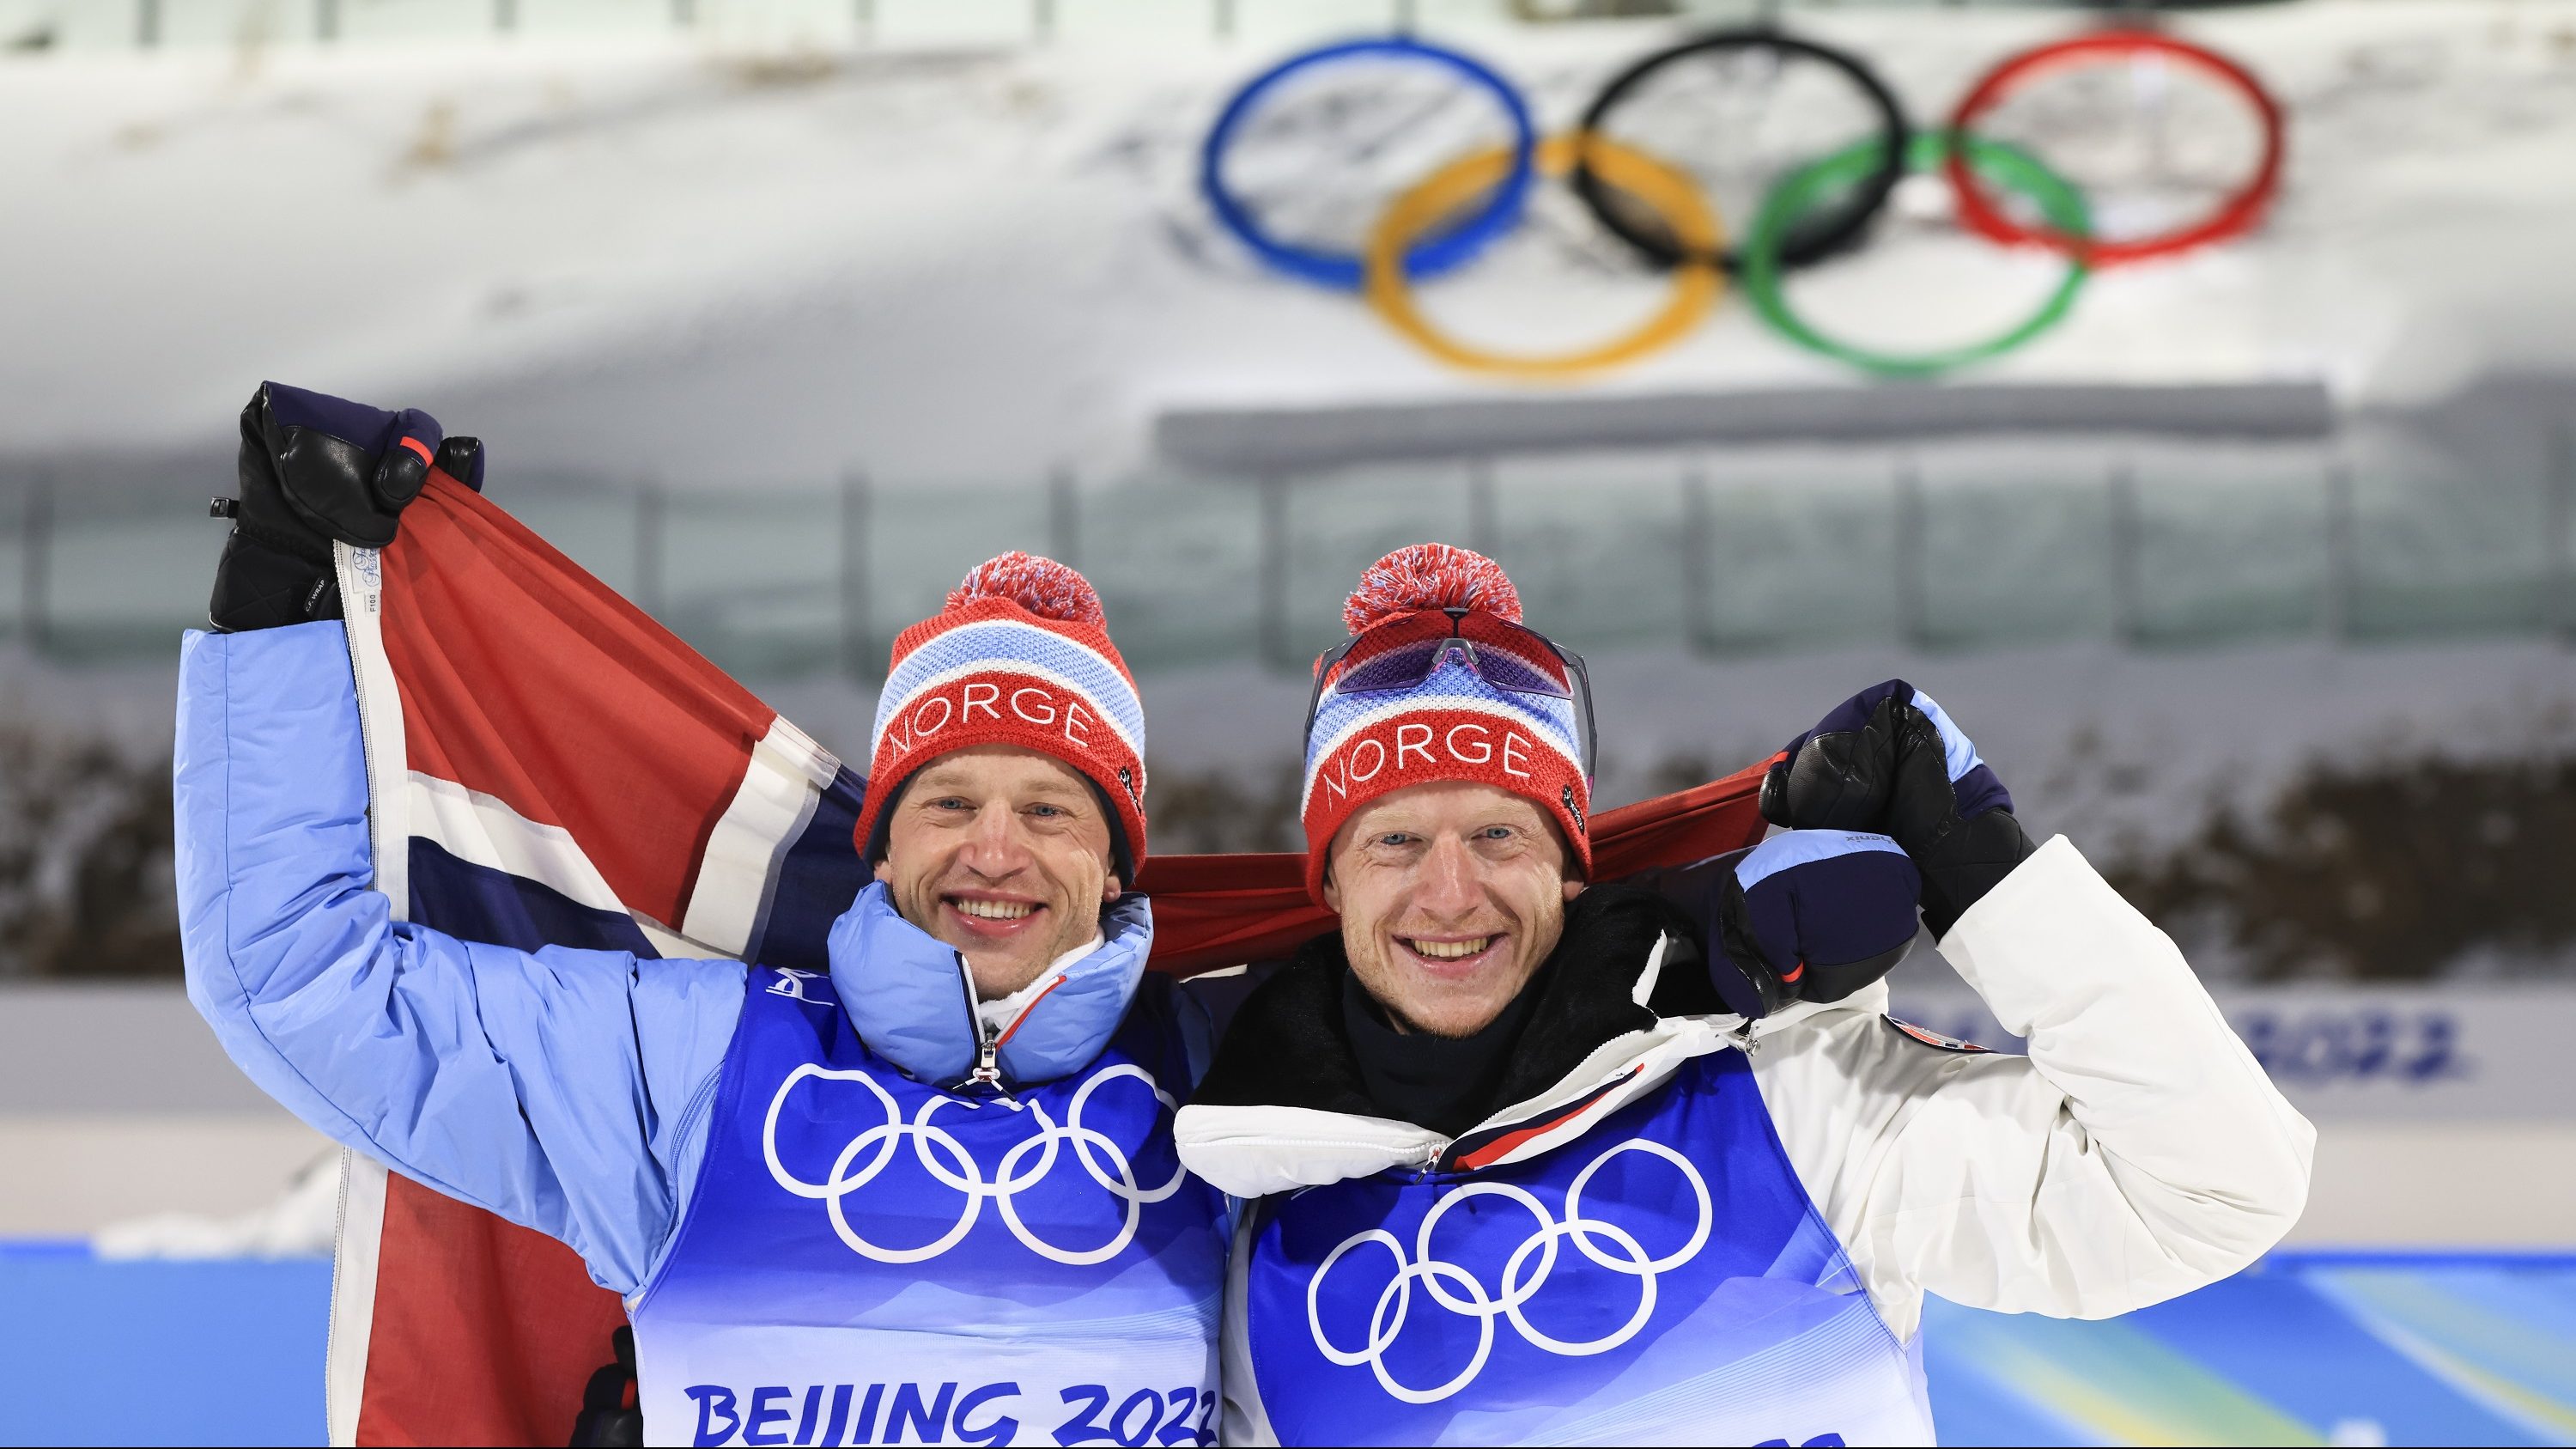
947 1160
1526 1272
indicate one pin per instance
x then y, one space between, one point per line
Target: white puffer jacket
2136 1153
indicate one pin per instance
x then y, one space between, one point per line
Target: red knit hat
1021 656
1447 719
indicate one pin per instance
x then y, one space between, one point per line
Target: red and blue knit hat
1021 656
1453 723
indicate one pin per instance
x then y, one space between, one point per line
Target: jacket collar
1253 1150
911 1000
1627 1002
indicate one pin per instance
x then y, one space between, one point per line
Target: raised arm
2136 1153
554 1088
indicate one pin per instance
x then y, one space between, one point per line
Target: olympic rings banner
2006 193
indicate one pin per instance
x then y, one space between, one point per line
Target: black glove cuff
258 586
1967 861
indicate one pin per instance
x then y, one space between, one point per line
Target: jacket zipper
988 1045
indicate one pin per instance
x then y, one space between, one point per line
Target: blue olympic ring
1434 254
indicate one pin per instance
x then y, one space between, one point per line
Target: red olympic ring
2235 217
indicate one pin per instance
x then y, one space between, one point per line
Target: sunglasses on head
1504 658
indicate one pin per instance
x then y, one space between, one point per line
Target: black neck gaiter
1447 1084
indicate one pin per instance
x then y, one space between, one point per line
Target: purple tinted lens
1504 669
1402 667
1407 665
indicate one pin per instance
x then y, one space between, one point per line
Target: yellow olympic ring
1672 195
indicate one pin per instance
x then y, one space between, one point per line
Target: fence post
2128 589
35 577
2338 606
147 24
1913 527
648 549
857 659
2561 512
1041 21
326 20
1221 18
1064 517
1699 578
1404 18
505 16
863 20
1274 572
1484 527
684 13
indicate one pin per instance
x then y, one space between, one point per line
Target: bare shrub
1222 812
2381 871
85 885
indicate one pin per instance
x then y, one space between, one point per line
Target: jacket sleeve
563 1090
2138 1151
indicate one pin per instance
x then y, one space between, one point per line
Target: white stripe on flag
480 830
730 899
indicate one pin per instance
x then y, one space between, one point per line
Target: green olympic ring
1800 191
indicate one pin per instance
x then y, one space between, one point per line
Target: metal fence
1937 549
154 24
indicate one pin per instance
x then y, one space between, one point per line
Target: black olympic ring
1834 227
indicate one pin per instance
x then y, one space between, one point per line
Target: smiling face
1003 853
1451 895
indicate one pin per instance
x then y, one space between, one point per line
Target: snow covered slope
718 262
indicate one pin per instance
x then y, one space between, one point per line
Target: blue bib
866 1259
1660 1279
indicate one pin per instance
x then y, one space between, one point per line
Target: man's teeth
994 910
1451 950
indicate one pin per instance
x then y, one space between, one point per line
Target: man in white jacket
1524 1168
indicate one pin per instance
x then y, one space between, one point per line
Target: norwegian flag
548 766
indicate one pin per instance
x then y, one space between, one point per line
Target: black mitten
1889 760
314 469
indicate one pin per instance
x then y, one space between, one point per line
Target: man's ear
1110 889
1332 889
885 870
1573 888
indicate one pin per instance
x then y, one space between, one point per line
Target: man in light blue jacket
930 1196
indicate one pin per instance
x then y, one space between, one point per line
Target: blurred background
2206 443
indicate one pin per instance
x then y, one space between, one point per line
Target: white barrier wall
2445 1116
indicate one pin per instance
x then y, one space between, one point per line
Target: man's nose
1448 885
994 847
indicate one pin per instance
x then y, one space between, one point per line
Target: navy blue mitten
1814 915
1889 760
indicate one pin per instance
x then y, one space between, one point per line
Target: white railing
2153 545
158 24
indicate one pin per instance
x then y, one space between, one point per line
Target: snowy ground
723 259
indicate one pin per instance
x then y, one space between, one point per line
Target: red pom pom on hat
1427 576
1042 586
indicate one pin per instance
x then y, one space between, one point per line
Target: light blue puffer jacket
565 1090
